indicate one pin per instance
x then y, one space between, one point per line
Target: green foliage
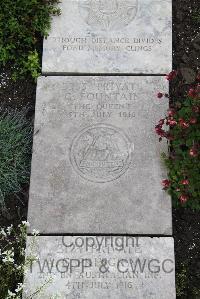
22 23
15 151
14 262
183 284
196 292
32 64
183 163
196 15
181 281
12 258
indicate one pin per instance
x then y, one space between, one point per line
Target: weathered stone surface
96 160
110 36
102 267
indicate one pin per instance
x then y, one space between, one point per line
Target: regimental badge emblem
108 14
101 153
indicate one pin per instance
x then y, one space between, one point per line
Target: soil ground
186 223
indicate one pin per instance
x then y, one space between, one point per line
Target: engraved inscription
108 14
101 153
104 44
102 267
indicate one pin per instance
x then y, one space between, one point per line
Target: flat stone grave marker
110 36
96 164
101 267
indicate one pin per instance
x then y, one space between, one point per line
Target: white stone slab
102 267
96 160
110 36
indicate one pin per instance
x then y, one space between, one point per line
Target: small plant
22 24
196 15
13 263
183 284
15 152
181 281
183 162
